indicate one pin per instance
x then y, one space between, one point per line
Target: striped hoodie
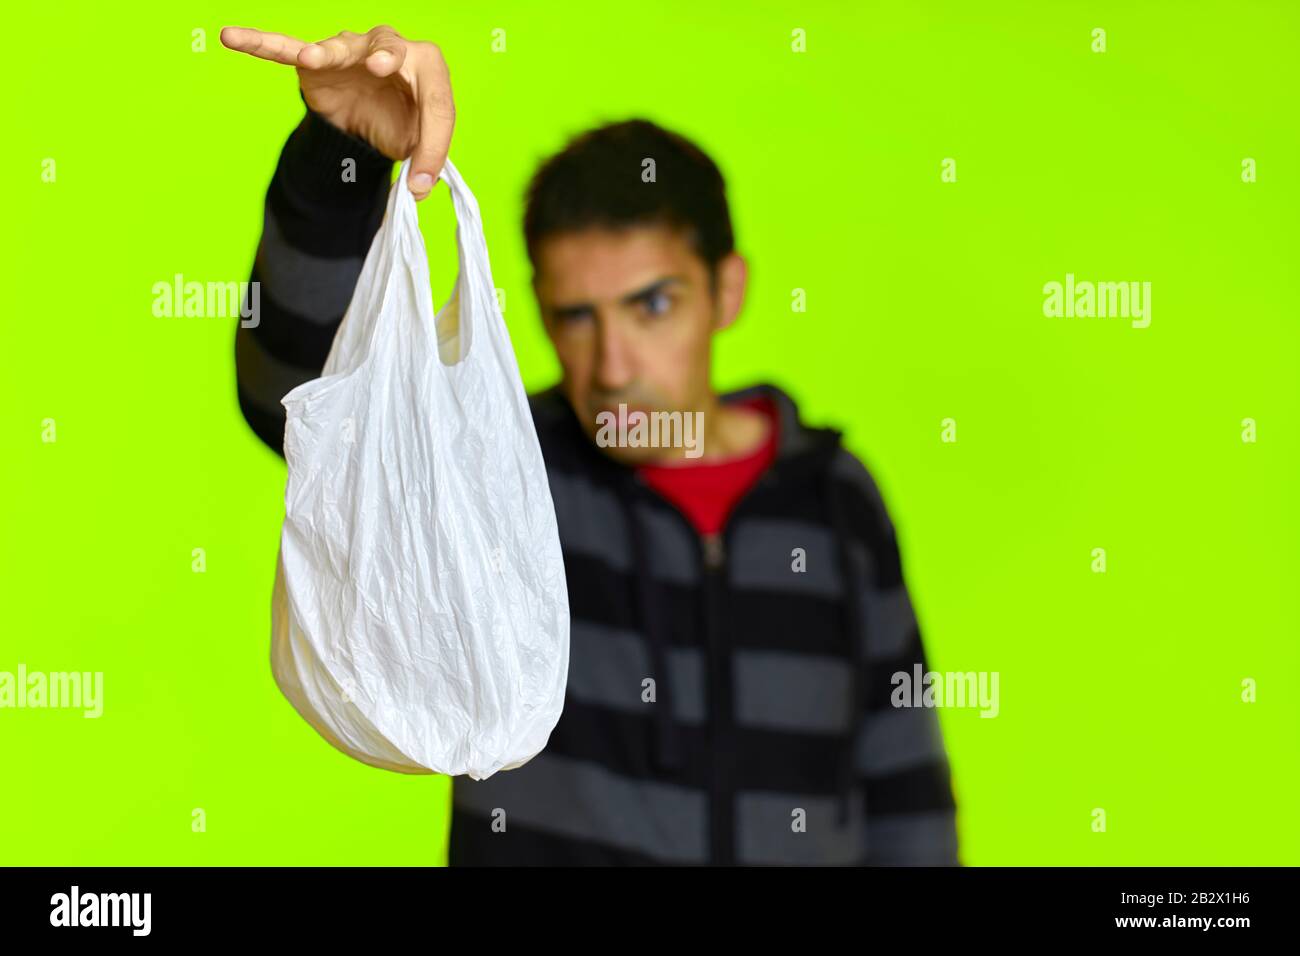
770 648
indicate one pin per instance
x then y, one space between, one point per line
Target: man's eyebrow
565 311
644 293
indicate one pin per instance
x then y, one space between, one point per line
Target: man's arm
901 763
317 228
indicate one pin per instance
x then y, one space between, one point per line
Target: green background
1119 690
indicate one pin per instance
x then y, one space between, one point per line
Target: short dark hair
595 181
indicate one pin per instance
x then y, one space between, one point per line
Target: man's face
631 316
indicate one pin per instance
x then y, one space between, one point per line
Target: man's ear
732 277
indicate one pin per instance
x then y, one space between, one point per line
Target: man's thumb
430 154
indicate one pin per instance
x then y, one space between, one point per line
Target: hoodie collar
797 443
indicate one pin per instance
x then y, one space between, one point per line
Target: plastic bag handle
483 337
474 284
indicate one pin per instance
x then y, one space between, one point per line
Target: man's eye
658 303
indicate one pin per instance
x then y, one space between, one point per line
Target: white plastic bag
420 620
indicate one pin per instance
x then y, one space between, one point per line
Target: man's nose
614 365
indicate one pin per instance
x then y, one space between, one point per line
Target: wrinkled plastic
420 617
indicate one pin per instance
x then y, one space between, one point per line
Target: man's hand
393 93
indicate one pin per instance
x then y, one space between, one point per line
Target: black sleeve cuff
313 163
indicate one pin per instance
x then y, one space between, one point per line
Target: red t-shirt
707 491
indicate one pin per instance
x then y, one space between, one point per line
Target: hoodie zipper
713 558
718 664
722 823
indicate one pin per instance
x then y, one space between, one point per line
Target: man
738 608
